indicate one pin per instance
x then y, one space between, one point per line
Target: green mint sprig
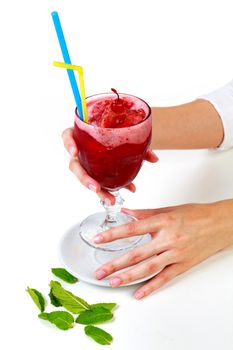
37 297
68 300
94 316
61 319
53 300
64 275
108 306
99 335
89 314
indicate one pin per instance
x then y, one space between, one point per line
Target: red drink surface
113 144
113 112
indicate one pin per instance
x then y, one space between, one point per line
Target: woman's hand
182 236
81 173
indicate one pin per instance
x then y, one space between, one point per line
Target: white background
167 52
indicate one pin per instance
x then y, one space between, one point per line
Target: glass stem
112 210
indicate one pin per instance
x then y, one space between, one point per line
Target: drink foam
114 137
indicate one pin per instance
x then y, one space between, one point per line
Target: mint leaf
61 319
70 301
108 306
98 334
94 316
53 300
64 275
44 316
37 297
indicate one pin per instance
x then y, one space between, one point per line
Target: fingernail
114 282
107 201
92 187
100 274
155 159
139 295
72 151
154 156
98 238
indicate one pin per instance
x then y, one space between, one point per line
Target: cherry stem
115 92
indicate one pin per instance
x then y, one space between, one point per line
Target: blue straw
66 57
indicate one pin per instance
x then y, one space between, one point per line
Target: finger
131 187
167 274
106 197
144 269
133 257
134 228
69 142
145 213
89 182
83 176
151 157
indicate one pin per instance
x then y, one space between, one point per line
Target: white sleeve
222 100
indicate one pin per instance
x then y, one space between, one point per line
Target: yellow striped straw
79 69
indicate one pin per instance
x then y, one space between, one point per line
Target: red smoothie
113 143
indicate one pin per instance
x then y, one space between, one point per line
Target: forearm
193 125
223 213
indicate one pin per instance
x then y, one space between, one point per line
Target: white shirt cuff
222 100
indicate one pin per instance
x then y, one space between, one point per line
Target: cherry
116 112
115 92
118 104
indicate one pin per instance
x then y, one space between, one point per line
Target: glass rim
112 93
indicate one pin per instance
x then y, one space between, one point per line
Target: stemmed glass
113 157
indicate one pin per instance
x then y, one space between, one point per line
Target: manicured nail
98 238
115 282
139 295
72 151
100 274
92 187
107 201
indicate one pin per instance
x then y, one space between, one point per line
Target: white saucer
81 260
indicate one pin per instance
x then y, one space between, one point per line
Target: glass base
97 223
102 257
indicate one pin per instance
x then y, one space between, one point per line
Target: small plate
81 260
